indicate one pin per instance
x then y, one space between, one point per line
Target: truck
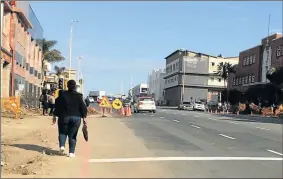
96 95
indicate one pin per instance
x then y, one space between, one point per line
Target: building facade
255 62
156 84
193 75
21 39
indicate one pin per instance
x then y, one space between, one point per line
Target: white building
157 83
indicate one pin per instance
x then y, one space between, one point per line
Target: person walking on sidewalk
51 102
69 108
44 102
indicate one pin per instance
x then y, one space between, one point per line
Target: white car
91 100
185 106
198 106
144 104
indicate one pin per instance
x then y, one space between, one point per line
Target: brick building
255 62
24 46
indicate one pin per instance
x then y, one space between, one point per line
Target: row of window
31 70
279 51
249 60
243 80
172 68
171 80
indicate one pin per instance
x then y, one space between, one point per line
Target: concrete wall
156 83
173 96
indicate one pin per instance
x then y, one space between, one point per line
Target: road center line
183 114
262 128
147 159
176 120
272 151
227 136
195 126
232 122
212 119
161 117
196 116
144 114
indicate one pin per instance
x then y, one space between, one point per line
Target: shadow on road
37 148
257 119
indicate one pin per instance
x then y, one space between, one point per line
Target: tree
49 54
223 70
59 70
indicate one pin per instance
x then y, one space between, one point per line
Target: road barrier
12 104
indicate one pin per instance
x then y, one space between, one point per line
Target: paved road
196 137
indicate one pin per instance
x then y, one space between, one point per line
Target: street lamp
146 67
79 67
71 40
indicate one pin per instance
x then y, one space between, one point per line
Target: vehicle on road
198 106
97 95
91 100
144 104
186 106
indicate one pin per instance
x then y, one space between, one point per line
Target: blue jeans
69 126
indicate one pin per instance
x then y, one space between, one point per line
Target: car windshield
198 102
186 103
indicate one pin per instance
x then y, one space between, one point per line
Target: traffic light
61 83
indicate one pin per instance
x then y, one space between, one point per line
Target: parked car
144 104
186 106
91 100
198 105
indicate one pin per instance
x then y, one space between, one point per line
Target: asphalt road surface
197 144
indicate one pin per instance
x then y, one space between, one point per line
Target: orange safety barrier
12 104
128 111
122 112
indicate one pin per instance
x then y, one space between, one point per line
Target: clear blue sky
119 38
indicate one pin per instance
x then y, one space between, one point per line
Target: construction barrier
12 104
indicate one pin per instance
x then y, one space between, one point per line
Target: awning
23 17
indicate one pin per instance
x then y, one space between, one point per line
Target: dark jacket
70 103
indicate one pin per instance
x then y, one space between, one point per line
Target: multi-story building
193 75
25 36
156 84
6 52
255 62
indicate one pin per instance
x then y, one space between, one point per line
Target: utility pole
70 47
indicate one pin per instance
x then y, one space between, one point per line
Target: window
172 80
246 79
173 67
234 81
253 79
243 80
177 65
240 80
244 61
212 79
237 81
279 51
219 79
212 63
251 59
250 79
254 58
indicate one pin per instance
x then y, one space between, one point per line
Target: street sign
105 103
117 104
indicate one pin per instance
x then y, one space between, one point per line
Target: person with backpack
69 108
51 102
44 102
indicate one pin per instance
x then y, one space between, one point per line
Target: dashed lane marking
195 126
176 120
227 136
161 117
232 122
262 128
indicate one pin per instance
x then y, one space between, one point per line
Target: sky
124 40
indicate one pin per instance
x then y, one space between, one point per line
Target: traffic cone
110 110
122 112
129 113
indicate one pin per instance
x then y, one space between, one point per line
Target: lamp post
70 46
79 67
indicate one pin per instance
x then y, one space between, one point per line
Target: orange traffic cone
122 112
110 110
128 113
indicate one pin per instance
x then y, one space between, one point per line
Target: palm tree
223 70
59 70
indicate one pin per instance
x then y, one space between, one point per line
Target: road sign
117 104
105 103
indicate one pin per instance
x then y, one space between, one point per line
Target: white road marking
183 114
195 126
148 159
212 119
196 116
232 122
161 117
144 114
227 136
151 115
262 128
272 151
176 120
175 113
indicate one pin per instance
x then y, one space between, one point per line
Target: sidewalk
31 151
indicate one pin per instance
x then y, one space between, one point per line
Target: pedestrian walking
51 102
44 102
69 108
